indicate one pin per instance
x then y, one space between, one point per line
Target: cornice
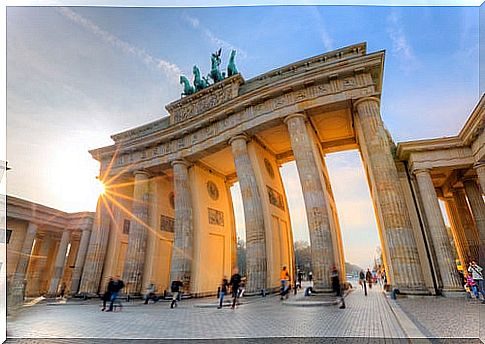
345 68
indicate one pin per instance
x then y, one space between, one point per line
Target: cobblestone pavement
365 320
446 317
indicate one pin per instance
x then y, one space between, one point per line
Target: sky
76 75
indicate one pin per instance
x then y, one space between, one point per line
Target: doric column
182 252
256 264
458 232
436 225
98 243
80 259
137 238
17 284
60 262
466 220
477 206
39 271
395 224
480 169
319 227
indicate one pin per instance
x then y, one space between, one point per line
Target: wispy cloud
211 37
319 24
172 71
400 44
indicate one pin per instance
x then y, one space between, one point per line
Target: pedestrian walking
368 277
300 277
477 275
235 282
362 281
310 277
223 291
285 279
471 287
106 296
114 286
175 289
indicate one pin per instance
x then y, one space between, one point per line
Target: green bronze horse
215 74
188 89
231 66
199 83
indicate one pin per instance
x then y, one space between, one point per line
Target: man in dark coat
235 282
114 287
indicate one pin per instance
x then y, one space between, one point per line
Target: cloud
172 71
400 44
209 35
319 23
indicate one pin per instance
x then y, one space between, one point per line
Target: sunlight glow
100 187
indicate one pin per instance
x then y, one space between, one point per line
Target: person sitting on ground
150 294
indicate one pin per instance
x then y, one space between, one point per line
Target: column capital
238 137
180 162
479 164
468 179
365 99
421 170
295 115
143 172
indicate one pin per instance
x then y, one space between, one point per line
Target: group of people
474 284
237 288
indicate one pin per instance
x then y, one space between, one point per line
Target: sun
100 187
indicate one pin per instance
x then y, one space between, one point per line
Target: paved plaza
372 317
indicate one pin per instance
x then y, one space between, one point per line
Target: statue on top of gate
215 74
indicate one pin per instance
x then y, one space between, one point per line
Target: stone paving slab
272 340
445 317
368 317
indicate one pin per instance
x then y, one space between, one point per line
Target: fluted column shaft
60 262
256 262
80 259
466 220
439 236
183 245
137 238
477 206
39 271
319 227
98 244
17 283
389 200
458 232
480 169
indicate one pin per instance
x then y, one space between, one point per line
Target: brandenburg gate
167 210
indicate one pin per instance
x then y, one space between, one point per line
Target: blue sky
77 75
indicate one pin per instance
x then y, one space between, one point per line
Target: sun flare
100 187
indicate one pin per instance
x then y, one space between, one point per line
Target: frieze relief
216 217
269 105
275 198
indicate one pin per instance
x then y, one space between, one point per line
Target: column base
452 293
411 291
